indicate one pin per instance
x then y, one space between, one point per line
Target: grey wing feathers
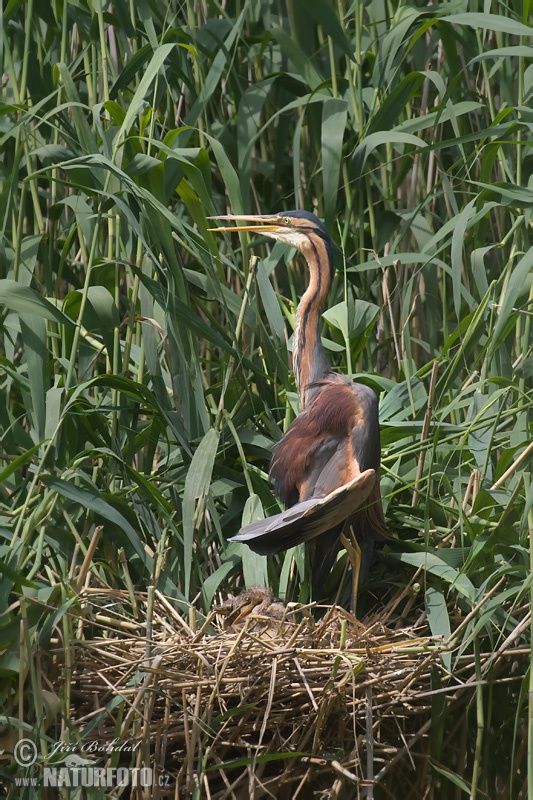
308 519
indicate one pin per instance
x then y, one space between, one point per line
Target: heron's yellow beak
263 224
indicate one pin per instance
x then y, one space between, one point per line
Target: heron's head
300 229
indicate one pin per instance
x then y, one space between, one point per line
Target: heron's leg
353 549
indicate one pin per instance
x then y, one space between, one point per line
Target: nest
255 705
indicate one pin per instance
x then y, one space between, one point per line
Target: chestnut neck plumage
309 359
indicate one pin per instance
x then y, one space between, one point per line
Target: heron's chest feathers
319 439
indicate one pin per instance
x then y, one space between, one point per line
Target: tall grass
144 374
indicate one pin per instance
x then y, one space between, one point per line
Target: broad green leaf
334 117
509 194
27 301
320 10
396 405
33 331
270 303
437 566
521 51
140 164
54 406
88 498
54 618
213 581
306 69
453 777
369 144
515 286
121 384
29 250
85 135
136 103
284 578
392 43
438 618
421 123
394 103
216 71
84 213
196 488
17 578
229 299
256 759
337 316
479 270
102 315
364 314
229 175
458 235
248 125
254 567
490 22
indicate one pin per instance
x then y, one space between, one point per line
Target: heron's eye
286 220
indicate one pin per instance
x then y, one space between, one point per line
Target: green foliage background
144 372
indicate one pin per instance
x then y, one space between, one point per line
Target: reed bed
145 379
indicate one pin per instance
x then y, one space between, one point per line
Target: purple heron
325 469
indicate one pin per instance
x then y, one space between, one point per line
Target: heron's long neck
309 359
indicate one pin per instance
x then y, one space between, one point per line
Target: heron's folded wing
308 519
